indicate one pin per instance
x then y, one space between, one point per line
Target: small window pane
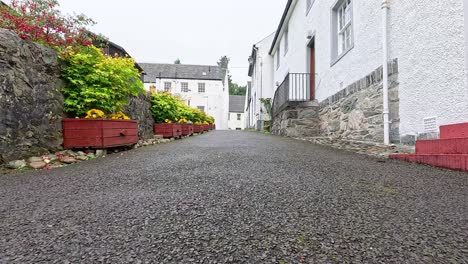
184 87
201 87
167 86
202 108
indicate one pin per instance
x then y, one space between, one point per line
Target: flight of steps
450 151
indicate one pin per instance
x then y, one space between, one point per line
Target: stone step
454 131
442 146
449 161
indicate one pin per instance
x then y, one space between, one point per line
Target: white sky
196 31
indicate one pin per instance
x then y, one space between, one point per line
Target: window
342 24
167 86
238 116
309 5
286 41
202 108
201 87
278 59
184 87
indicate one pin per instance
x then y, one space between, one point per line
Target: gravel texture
235 197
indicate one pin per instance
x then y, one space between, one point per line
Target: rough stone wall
139 109
298 120
31 104
354 113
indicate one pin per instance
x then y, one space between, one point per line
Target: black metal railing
295 88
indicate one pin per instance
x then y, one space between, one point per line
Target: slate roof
236 103
182 71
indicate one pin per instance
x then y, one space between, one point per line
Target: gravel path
235 197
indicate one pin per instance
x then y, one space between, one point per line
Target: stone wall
354 113
298 120
31 104
139 109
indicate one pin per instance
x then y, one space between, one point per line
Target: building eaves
283 19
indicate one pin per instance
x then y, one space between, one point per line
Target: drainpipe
385 7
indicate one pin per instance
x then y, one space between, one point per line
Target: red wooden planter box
206 127
168 130
197 128
99 133
187 129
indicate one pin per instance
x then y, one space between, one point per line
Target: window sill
338 58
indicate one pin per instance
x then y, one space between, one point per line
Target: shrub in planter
187 129
164 108
103 84
96 81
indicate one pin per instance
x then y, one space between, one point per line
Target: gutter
385 8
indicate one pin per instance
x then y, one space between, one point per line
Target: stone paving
235 197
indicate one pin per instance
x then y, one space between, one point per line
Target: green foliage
266 102
168 108
177 61
164 106
184 111
96 81
235 89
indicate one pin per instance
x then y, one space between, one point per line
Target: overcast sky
196 31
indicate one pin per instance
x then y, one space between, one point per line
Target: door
312 71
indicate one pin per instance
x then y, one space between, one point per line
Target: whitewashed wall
427 38
431 54
214 99
234 123
356 64
262 80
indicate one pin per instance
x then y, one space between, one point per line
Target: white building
202 87
336 52
261 86
237 118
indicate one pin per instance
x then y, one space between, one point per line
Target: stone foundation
354 113
298 120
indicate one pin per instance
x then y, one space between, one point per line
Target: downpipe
386 112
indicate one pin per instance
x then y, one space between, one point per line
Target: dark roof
283 19
236 103
182 71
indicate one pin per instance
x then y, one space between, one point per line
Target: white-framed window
343 28
201 88
238 116
167 86
278 57
184 87
309 5
202 108
286 41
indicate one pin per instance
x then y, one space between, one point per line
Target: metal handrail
294 88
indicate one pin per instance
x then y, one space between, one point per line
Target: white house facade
262 86
202 87
366 62
237 116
